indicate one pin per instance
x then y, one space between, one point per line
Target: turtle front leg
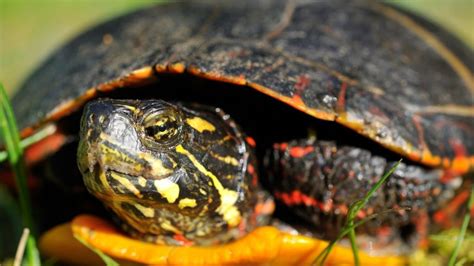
319 180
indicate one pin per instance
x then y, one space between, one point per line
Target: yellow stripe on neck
227 209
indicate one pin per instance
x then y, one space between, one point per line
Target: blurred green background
32 29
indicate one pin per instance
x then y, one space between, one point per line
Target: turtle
192 110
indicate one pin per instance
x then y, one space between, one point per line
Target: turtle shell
387 74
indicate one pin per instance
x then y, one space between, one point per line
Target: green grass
462 233
106 259
11 138
350 225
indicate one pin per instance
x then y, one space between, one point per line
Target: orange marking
384 231
297 198
43 148
267 207
239 80
299 152
253 173
446 162
414 156
421 132
307 200
250 141
361 215
295 102
243 225
183 240
445 215
250 169
428 158
27 132
142 73
421 224
177 68
302 83
461 164
64 109
139 77
458 148
283 146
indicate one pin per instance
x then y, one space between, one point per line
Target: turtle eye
161 127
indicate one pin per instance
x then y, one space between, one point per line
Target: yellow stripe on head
200 124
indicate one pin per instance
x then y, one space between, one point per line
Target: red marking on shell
250 141
421 133
299 152
341 98
458 148
302 83
461 159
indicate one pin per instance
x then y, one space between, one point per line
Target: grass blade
462 233
352 238
9 133
107 260
349 227
41 134
21 247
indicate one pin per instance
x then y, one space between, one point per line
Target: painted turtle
374 82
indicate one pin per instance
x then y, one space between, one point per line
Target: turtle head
171 174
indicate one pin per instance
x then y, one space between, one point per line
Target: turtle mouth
114 185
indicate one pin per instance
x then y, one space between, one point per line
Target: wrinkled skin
171 174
